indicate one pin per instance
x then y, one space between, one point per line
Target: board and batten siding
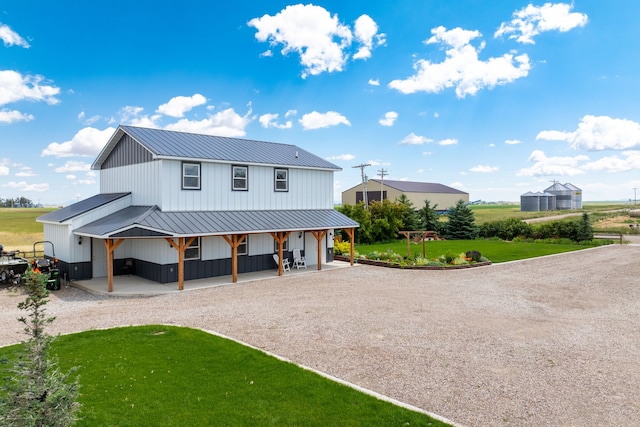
142 180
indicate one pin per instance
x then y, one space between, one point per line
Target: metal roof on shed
419 187
212 223
183 145
83 206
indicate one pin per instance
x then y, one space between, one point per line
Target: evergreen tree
410 219
38 394
428 217
461 224
585 229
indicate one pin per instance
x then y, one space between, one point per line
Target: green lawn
171 376
494 250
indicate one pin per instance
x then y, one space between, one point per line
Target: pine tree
461 224
38 394
428 217
409 217
585 229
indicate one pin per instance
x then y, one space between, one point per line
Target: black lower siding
168 273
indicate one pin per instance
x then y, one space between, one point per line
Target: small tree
409 217
584 229
461 224
38 394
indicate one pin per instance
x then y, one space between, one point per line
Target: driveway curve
547 341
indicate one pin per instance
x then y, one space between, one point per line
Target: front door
98 258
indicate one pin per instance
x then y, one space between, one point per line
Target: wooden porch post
351 232
280 237
111 247
234 242
182 245
319 235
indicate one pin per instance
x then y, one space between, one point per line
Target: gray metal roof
419 187
184 145
212 223
80 207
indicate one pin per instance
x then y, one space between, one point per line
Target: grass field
172 376
19 229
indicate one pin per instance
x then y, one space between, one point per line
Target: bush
474 255
341 248
506 229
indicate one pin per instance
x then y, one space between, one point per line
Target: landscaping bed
379 263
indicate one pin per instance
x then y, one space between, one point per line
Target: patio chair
128 267
285 263
298 259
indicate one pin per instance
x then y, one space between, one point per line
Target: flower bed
379 263
391 259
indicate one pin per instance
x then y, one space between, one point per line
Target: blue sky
492 98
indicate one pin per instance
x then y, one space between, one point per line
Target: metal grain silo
576 196
563 195
530 202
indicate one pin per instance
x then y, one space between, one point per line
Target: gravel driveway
547 341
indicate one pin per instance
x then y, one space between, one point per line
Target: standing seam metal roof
75 209
418 187
203 223
184 145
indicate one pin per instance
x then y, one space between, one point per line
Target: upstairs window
193 251
281 179
240 178
190 176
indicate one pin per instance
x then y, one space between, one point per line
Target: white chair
285 263
298 259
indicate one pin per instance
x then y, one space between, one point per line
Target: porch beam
111 247
280 237
234 241
319 235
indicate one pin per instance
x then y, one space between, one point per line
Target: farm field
19 229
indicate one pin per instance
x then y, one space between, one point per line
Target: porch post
280 238
111 246
182 245
351 233
234 242
319 235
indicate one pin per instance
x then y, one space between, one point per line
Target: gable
127 151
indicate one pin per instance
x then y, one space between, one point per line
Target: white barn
181 206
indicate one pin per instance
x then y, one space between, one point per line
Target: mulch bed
409 267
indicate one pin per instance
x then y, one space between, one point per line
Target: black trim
275 181
233 178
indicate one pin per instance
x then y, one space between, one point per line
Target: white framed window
190 176
240 178
193 251
243 248
281 179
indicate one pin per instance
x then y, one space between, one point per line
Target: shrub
341 248
506 229
474 255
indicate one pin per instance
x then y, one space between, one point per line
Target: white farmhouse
176 206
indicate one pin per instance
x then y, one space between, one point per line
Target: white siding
143 180
308 189
61 237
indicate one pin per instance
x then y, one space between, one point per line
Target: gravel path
548 341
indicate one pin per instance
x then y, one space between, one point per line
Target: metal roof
184 145
212 223
419 187
83 206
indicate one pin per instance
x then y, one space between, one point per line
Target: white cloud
315 120
484 169
615 163
533 20
177 106
26 172
553 166
345 157
10 116
389 118
11 38
291 113
512 142
492 145
427 153
366 30
266 54
271 121
413 139
224 123
87 121
448 141
15 87
4 170
321 41
374 82
73 166
23 186
87 142
599 133
70 177
462 69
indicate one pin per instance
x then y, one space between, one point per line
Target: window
281 180
190 176
285 246
193 251
240 178
243 248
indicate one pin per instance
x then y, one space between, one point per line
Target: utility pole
364 183
382 172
